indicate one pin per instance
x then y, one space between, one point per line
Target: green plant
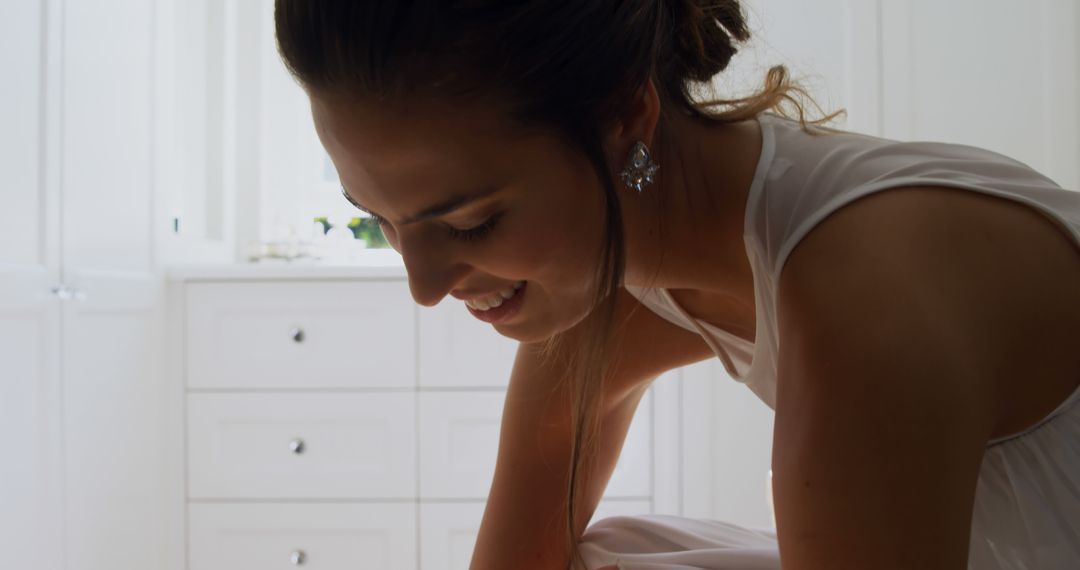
367 230
362 228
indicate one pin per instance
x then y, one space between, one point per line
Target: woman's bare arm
887 389
523 526
524 520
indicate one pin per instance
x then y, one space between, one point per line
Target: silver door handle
65 292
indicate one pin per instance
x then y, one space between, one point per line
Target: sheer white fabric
666 542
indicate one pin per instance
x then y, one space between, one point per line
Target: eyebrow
455 202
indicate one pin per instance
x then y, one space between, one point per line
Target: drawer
448 531
459 441
459 350
227 536
353 445
300 334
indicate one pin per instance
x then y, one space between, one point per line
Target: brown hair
571 66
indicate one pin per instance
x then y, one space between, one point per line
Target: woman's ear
636 123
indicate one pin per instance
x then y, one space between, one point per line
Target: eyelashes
476 232
471 234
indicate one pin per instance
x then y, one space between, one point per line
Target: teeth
495 300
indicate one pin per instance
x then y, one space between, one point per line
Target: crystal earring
639 170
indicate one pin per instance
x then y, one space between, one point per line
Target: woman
545 162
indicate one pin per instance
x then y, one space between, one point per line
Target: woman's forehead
385 152
413 137
410 127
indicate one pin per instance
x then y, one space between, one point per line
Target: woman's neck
700 200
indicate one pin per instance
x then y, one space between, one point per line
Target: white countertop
380 264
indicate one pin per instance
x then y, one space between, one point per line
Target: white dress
1027 502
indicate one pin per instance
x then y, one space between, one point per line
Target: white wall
988 73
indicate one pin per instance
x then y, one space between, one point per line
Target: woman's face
539 218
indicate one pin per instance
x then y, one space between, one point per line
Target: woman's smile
504 309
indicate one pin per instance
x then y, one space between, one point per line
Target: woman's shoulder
943 277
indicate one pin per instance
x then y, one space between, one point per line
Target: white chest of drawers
332 423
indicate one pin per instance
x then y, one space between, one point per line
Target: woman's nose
432 271
426 291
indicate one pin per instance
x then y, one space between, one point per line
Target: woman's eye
475 232
470 234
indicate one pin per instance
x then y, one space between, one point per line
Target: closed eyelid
456 202
345 193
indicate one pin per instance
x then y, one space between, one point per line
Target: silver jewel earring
639 170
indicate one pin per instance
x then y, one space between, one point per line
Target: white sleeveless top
1027 504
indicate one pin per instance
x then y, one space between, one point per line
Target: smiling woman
530 198
542 102
489 135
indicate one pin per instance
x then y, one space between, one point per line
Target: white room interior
193 377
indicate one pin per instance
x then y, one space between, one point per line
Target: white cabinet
338 444
301 445
79 294
112 393
318 536
461 352
448 533
30 389
459 437
300 335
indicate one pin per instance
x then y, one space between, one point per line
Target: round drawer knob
297 334
298 557
297 446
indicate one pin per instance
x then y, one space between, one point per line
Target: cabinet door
459 350
459 441
318 536
459 437
113 393
448 534
30 507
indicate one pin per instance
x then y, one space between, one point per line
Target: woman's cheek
551 250
530 247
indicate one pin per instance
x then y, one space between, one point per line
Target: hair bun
701 36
